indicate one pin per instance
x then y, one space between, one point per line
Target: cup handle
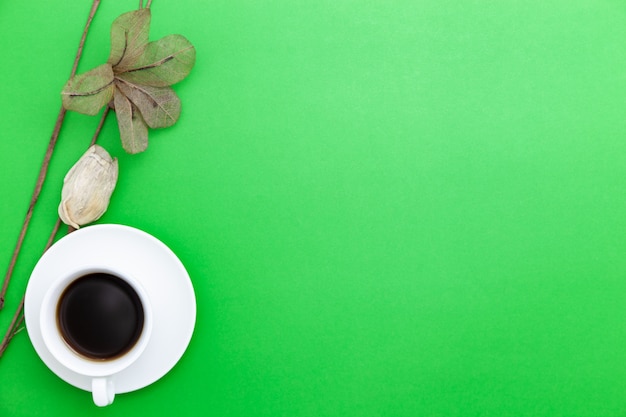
103 391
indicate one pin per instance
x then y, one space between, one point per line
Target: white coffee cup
101 371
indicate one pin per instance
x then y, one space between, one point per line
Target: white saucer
160 273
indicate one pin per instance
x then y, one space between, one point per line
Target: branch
18 317
44 165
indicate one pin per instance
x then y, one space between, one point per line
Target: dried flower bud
87 187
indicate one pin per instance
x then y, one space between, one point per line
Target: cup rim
65 354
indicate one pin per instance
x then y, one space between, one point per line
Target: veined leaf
129 37
162 63
87 93
133 129
135 79
159 106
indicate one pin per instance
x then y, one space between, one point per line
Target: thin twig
19 326
148 4
33 201
55 229
100 124
44 165
79 53
18 317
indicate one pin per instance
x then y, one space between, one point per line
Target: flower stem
45 164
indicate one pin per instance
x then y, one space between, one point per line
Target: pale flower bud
87 187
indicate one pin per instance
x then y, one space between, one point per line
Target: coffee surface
100 316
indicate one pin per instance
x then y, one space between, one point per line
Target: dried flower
87 187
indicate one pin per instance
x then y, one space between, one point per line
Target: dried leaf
129 37
159 106
164 62
133 129
87 93
136 80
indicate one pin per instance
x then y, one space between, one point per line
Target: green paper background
387 207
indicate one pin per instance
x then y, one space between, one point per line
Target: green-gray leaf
162 63
133 129
87 93
159 106
129 37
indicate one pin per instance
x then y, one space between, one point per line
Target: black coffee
100 316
